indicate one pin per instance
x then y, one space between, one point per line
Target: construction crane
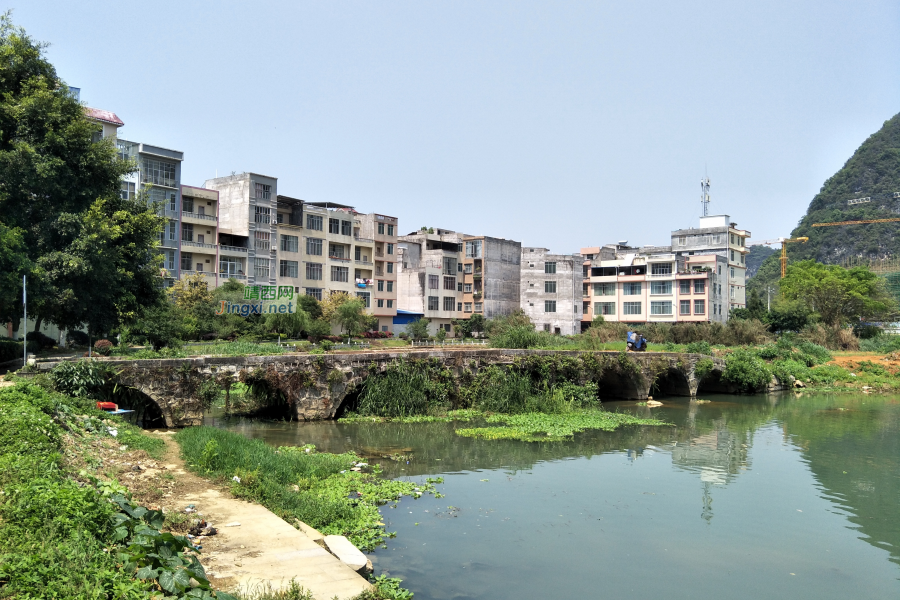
784 242
864 222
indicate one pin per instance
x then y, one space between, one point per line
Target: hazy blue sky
559 124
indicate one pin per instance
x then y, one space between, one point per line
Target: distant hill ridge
872 172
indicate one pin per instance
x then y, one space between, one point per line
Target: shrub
829 374
701 347
79 338
520 336
44 342
10 350
745 369
103 347
326 345
84 379
403 336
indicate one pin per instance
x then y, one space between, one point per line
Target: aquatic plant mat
541 427
299 484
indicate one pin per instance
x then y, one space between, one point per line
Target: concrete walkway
264 550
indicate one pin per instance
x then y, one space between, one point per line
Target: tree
89 258
189 292
476 323
310 306
13 264
418 329
288 324
351 316
330 304
836 294
787 315
161 325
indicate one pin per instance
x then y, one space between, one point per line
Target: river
769 496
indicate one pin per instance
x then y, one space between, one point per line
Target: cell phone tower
704 196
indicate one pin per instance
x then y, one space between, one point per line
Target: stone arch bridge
318 385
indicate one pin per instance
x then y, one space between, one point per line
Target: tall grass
406 388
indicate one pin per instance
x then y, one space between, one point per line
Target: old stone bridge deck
317 385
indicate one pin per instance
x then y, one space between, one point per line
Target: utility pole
769 298
24 324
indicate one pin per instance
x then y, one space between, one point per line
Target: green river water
776 496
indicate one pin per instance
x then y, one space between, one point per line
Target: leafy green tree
441 335
351 316
13 264
310 306
161 325
837 295
89 251
787 315
476 323
418 329
288 324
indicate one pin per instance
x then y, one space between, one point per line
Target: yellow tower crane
784 242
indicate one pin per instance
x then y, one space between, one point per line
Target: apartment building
719 235
382 231
247 226
551 286
491 276
199 246
159 176
652 284
430 281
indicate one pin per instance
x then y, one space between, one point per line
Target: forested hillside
872 172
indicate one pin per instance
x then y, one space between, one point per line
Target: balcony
476 275
232 250
363 240
192 244
198 217
339 259
365 263
379 253
238 276
185 273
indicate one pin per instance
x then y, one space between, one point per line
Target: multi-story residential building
199 248
718 235
652 284
247 208
430 277
383 231
159 176
550 290
491 276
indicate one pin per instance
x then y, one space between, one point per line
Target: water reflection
788 475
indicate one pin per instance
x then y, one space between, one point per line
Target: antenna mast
704 196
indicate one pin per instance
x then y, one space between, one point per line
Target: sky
558 124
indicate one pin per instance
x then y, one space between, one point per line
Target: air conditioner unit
274 248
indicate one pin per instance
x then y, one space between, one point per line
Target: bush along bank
787 362
67 534
539 398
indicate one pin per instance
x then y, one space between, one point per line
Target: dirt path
852 360
252 547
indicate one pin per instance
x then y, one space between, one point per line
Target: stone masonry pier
317 385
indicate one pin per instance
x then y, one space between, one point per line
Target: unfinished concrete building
491 276
430 277
551 290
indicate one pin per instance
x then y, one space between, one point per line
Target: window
550 267
261 268
433 302
699 307
334 226
314 222
187 205
186 258
699 286
449 283
336 250
549 306
366 298
346 228
467 288
279 218
230 266
314 271
549 287
263 191
449 302
473 249
390 267
169 259
380 285
632 289
732 258
340 274
604 289
478 308
732 272
631 308
390 286
390 248
546 326
314 292
681 240
720 269
172 202
172 229
381 229
390 304
661 307
262 215
660 288
290 243
684 286
126 190
604 308
158 172
468 268
390 230
732 291
585 271
187 232
314 246
433 281
459 286
459 306
685 307
288 268
661 269
261 240
467 307
459 268
379 303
